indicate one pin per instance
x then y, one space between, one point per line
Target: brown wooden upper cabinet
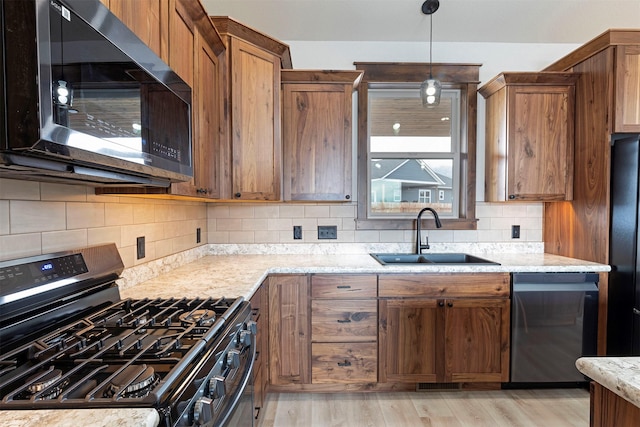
251 143
191 46
529 136
317 130
627 95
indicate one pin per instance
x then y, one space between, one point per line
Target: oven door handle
225 416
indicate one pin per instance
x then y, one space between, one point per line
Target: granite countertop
621 375
241 275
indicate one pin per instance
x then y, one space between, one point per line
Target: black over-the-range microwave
86 100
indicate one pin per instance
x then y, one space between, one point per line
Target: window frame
465 78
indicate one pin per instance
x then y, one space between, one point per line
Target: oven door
240 411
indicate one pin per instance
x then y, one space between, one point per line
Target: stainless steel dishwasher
554 321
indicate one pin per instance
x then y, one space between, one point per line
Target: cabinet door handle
347 196
238 195
449 304
344 287
345 363
344 320
440 303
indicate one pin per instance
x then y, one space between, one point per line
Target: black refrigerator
623 321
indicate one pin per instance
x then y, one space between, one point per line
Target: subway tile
175 229
367 236
219 237
155 231
255 224
228 224
266 211
390 236
85 215
241 211
241 237
514 210
283 224
14 246
292 211
101 235
268 236
63 192
13 189
346 236
32 216
55 241
143 213
465 236
487 210
130 233
162 248
217 211
316 211
118 214
342 211
348 224
4 217
439 236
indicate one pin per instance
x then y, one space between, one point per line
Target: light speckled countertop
241 275
621 375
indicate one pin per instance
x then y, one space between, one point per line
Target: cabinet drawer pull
440 303
344 320
344 287
450 304
345 363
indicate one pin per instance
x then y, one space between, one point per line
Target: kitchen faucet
419 245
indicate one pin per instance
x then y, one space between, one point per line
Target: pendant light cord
430 46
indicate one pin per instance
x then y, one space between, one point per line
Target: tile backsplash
37 218
273 224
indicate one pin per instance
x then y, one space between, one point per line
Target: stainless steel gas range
67 340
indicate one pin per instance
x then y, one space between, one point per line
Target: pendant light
431 88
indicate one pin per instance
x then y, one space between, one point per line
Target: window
413 151
410 154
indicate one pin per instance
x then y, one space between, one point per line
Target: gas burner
39 381
199 317
137 381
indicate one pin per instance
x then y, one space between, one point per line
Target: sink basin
434 258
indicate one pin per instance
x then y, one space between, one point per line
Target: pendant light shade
430 89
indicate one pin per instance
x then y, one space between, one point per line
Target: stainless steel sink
432 258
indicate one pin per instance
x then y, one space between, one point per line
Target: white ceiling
501 21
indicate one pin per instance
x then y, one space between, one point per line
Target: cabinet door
317 141
627 96
256 140
144 18
408 340
540 141
289 323
476 340
206 99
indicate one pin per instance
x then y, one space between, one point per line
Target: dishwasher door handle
555 287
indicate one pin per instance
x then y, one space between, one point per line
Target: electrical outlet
140 247
297 232
515 231
327 232
198 235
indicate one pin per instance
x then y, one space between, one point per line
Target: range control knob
252 327
233 359
203 411
244 339
216 387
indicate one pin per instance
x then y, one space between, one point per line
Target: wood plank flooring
499 408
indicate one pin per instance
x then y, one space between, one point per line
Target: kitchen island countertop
621 375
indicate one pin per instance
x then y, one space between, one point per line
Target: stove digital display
46 267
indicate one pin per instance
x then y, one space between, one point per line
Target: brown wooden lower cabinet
458 339
610 410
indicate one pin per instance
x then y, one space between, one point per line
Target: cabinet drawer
343 286
344 320
445 285
344 363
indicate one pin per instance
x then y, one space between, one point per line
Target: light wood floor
502 408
